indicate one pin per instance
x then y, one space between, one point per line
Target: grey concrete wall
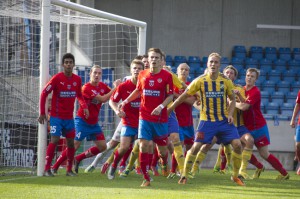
198 27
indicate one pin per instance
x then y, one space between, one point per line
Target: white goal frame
44 55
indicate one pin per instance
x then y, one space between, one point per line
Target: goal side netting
108 42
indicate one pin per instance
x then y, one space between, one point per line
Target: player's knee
237 146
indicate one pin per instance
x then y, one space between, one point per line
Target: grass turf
94 185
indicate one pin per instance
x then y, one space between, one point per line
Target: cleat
104 167
298 171
216 169
182 180
89 169
48 173
70 173
258 173
125 173
121 169
238 181
164 170
191 175
223 171
154 171
138 171
281 177
54 171
244 176
76 165
145 183
111 173
171 175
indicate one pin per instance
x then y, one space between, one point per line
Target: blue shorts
173 126
261 136
152 130
128 131
224 132
60 127
186 132
297 136
242 130
85 130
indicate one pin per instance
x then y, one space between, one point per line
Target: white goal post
34 35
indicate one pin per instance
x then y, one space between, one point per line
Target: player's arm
135 94
105 98
160 107
45 92
242 105
239 95
295 113
231 107
82 102
178 101
114 106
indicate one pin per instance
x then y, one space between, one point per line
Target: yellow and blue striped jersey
238 114
213 96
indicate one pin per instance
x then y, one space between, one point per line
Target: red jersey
253 117
298 102
89 93
132 108
183 111
65 90
154 89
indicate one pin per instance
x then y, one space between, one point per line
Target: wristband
161 106
125 101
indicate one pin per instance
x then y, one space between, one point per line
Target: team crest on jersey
69 86
151 83
74 83
159 80
102 90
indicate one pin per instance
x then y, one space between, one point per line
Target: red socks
49 155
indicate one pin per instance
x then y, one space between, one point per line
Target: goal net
109 43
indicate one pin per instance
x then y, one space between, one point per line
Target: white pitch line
12 179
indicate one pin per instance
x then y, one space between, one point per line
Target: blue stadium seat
237 62
278 96
271 53
263 74
194 62
280 64
263 106
256 52
289 75
285 53
274 75
265 64
295 86
239 51
265 96
269 85
272 108
287 109
296 53
224 62
291 97
240 82
284 86
204 61
260 81
251 63
178 59
169 60
294 65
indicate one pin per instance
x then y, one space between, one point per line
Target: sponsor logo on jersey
151 83
74 83
135 104
48 87
153 93
67 94
116 95
102 90
214 94
62 83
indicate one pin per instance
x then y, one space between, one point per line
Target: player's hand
235 91
121 105
230 119
120 113
42 118
86 113
292 124
156 111
169 111
117 82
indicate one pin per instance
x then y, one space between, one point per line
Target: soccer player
66 86
293 125
155 87
129 114
94 93
256 123
216 117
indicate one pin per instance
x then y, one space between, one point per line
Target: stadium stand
256 52
271 53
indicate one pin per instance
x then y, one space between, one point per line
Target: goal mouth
110 43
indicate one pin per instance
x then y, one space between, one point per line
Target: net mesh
92 40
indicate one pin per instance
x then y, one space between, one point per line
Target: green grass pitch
94 185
